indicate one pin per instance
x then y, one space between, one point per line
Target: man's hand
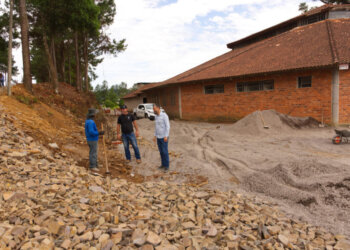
119 137
165 139
137 133
155 139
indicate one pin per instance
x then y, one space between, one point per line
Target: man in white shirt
161 135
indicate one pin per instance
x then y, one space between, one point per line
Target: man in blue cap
2 80
92 134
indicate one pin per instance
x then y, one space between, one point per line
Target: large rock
88 236
153 238
138 237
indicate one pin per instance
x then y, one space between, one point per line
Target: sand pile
277 122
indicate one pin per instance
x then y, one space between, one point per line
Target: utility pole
9 64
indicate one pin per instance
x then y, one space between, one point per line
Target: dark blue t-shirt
126 123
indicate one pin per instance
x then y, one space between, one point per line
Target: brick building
299 67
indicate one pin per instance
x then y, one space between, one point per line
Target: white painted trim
335 96
180 108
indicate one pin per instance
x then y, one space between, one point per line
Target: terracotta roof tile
140 90
269 32
319 44
341 36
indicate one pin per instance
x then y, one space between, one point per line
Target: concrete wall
133 102
344 96
339 14
286 98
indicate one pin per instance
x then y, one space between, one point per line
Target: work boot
138 161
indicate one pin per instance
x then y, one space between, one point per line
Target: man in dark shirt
127 122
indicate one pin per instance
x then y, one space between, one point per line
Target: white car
145 110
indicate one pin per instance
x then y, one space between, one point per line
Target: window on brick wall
155 100
214 89
255 86
172 99
304 81
164 101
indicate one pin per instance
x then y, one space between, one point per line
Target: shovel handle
104 151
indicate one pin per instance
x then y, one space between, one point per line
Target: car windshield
149 106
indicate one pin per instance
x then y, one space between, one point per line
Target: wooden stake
105 152
263 122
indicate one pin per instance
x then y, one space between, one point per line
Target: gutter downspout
335 75
335 96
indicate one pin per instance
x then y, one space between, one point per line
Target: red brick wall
168 98
344 96
285 98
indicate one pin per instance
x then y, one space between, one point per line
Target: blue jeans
163 150
93 145
132 139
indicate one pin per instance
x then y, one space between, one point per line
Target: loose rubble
48 202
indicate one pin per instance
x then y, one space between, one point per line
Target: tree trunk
9 64
86 41
53 51
77 62
27 79
53 71
62 62
69 70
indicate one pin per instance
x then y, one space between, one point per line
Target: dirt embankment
59 119
292 163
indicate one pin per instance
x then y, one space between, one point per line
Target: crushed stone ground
293 163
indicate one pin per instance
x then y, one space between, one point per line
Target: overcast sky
167 37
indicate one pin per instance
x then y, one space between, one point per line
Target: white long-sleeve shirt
162 125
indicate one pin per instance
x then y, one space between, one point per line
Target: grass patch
27 100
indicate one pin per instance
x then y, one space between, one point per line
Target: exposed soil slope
51 118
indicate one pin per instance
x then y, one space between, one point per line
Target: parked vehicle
145 110
342 136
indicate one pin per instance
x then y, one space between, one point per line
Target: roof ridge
332 42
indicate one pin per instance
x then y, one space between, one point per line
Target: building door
145 100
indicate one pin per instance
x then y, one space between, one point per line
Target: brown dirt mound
47 116
275 121
51 118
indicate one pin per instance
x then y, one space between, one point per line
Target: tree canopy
335 1
67 39
4 40
111 97
303 7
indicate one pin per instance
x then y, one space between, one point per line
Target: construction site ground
293 163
